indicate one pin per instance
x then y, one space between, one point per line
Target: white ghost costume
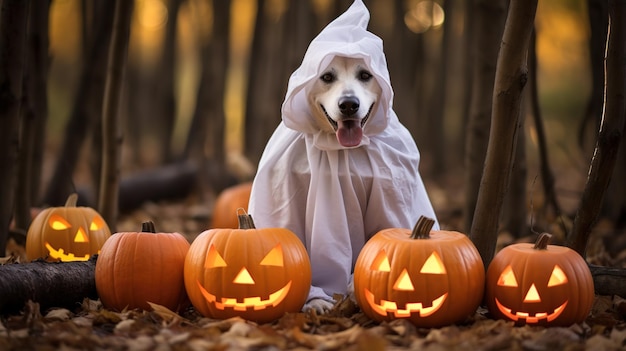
334 197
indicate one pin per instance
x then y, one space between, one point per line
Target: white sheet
335 198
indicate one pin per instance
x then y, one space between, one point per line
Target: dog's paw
319 305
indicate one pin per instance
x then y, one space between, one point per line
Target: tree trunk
598 13
206 132
265 64
111 131
611 130
87 106
486 26
164 84
438 100
547 177
13 29
34 115
511 77
51 284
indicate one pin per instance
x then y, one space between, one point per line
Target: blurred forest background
205 80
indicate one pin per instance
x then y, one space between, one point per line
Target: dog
340 166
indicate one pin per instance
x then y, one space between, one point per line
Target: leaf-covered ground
92 327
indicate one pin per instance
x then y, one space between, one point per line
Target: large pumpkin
227 203
539 284
431 278
135 268
66 233
256 274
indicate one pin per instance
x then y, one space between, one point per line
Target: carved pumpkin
227 203
539 284
66 233
256 274
135 268
431 278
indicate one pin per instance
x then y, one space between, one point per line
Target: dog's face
343 97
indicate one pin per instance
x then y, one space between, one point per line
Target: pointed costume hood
346 36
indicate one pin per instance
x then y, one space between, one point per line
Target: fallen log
609 280
173 181
51 284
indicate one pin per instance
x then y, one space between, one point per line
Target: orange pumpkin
256 274
66 233
539 284
135 268
227 203
431 278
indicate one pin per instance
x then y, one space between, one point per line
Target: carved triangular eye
97 223
507 278
557 277
381 262
57 222
274 257
81 236
433 265
214 259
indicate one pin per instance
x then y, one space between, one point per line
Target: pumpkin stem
245 220
71 200
148 227
542 241
422 228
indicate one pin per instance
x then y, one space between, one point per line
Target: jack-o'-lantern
256 274
67 233
539 284
430 277
227 203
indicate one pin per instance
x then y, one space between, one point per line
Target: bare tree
13 29
611 129
111 131
34 114
486 28
86 109
511 77
205 138
266 62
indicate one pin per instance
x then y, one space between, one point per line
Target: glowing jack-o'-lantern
66 233
432 278
539 284
256 274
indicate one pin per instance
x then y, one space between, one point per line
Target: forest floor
92 327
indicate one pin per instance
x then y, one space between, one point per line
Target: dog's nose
348 105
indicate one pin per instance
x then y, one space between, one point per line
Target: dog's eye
327 77
365 76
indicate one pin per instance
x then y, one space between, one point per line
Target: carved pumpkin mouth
527 317
385 306
61 255
254 302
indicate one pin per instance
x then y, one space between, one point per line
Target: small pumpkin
256 274
539 284
67 233
135 268
227 203
429 277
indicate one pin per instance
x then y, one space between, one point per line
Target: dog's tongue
349 133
